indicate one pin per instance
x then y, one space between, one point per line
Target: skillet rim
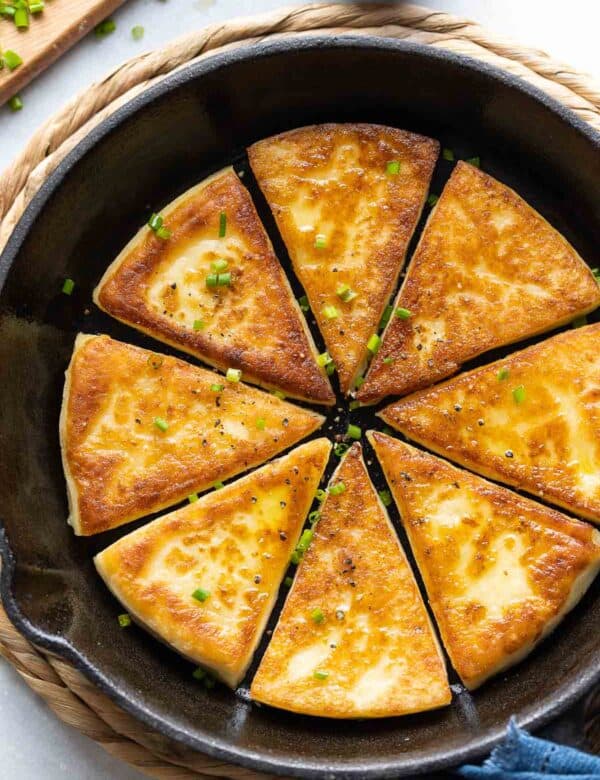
542 712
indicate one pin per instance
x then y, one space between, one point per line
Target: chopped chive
233 375
218 280
218 485
216 388
320 675
314 516
36 7
212 280
155 222
503 374
331 312
340 449
448 154
320 241
11 59
295 558
7 10
345 292
105 28
288 582
324 359
220 265
161 424
317 615
279 394
260 423
163 233
68 286
337 489
354 432
321 495
199 673
519 394
579 322
403 314
385 317
386 497
353 405
199 325
192 498
373 344
137 32
387 430
200 594
432 199
21 18
596 274
303 303
305 540
474 161
124 620
393 167
359 382
330 368
222 224
388 360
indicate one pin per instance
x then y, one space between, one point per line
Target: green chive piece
192 498
579 322
354 432
331 312
320 241
163 233
303 304
320 675
155 222
200 594
218 485
216 388
199 673
124 620
340 449
295 558
353 405
474 161
386 497
359 382
68 286
105 28
260 423
233 375
218 280
161 424
21 18
385 317
393 168
324 359
220 265
388 360
36 7
7 10
321 495
222 224
403 314
337 489
596 274
279 394
345 292
314 517
503 374
305 540
519 394
448 154
199 325
432 199
373 344
317 615
11 59
330 368
137 32
387 430
212 280
288 582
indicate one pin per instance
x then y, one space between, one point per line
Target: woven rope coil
66 691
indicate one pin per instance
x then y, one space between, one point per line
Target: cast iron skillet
173 135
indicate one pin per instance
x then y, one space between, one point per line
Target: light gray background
34 744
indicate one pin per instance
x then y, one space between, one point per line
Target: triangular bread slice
354 639
204 578
500 570
346 198
488 271
253 323
140 431
531 420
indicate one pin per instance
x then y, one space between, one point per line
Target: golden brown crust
549 444
331 179
120 466
234 543
255 324
488 271
500 570
381 655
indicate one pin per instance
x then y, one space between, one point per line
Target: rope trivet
75 700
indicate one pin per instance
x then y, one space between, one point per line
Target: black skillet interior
197 121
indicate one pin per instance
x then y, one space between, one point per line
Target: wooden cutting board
56 29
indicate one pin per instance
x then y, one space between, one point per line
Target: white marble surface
33 743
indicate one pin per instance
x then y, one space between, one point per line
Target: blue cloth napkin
523 757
